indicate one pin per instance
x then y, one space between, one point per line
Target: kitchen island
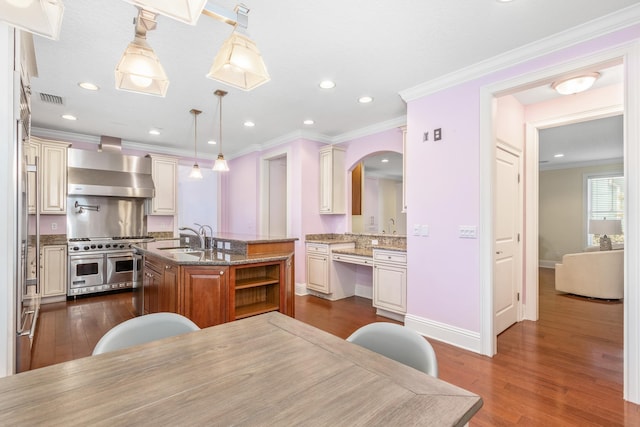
242 276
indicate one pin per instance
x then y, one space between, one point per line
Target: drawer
352 259
315 248
390 256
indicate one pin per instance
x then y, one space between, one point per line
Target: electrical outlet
54 225
467 231
437 134
425 136
416 229
424 230
374 242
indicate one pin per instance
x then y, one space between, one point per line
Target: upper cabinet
52 177
164 171
332 180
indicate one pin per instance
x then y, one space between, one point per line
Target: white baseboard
459 337
301 289
547 263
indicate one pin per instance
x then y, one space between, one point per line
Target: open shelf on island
256 289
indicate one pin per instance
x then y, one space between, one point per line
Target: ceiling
368 47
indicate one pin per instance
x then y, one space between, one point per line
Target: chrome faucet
200 236
202 230
393 223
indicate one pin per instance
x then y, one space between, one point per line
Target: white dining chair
399 343
143 329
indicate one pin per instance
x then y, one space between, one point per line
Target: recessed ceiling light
327 84
365 99
308 122
154 132
69 117
88 86
385 160
212 142
557 156
249 124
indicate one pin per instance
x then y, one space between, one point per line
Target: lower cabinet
210 295
205 292
54 268
390 281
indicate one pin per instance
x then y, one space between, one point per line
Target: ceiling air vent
51 99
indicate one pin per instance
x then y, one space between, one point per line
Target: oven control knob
93 246
99 246
107 245
86 248
121 246
75 248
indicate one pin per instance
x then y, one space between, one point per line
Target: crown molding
621 19
371 130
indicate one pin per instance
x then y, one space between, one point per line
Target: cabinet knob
166 267
221 272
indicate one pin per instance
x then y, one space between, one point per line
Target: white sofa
592 274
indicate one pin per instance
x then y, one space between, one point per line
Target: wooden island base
219 287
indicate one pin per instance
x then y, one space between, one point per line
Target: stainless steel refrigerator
28 246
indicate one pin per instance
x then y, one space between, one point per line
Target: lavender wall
443 190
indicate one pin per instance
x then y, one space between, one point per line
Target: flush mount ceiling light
575 84
238 62
221 164
69 117
139 69
195 171
41 17
365 99
187 11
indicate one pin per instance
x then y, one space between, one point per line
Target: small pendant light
195 171
221 164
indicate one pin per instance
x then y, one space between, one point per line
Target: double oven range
103 264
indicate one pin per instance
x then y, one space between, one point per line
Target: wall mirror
376 195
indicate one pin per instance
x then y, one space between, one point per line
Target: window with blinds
605 195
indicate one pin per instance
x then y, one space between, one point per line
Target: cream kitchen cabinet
326 278
52 175
332 180
390 282
164 171
54 270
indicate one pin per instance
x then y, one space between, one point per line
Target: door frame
265 188
629 55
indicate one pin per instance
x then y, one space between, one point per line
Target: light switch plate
467 231
416 229
424 230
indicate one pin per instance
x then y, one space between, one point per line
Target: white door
507 266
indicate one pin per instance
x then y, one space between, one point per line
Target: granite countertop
363 252
163 249
330 241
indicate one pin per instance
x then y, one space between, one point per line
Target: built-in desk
332 270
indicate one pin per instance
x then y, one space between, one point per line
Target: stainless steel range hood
92 173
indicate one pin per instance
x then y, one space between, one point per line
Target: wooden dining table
267 370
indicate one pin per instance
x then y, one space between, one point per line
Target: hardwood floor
565 369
